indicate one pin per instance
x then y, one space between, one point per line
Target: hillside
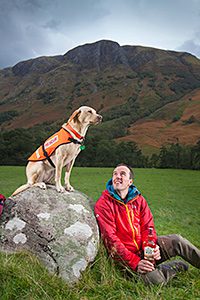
154 95
178 121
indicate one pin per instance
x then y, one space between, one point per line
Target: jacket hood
132 192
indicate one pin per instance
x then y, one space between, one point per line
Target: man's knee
177 241
175 237
169 238
170 245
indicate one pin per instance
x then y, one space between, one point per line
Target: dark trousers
171 246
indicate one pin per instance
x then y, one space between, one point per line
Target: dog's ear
74 116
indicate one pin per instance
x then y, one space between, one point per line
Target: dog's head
85 115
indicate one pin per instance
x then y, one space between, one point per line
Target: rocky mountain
146 95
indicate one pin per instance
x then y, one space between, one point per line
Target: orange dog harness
59 138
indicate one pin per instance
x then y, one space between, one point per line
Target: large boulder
59 228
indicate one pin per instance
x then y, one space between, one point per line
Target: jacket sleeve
146 218
106 221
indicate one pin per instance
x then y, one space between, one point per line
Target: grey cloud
31 28
27 26
52 24
190 46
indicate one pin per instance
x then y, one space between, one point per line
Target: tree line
17 145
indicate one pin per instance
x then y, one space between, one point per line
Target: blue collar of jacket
132 192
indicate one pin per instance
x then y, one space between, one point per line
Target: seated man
124 219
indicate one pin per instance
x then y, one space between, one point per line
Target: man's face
121 179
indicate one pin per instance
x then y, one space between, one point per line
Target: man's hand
145 266
157 253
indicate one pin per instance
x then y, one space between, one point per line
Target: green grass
174 198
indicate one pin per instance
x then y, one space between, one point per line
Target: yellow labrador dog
60 150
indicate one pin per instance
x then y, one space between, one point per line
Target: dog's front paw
60 189
69 188
41 185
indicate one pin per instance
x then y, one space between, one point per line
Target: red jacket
2 200
124 227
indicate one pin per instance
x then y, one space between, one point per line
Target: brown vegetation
157 91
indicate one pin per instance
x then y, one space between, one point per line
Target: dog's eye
90 111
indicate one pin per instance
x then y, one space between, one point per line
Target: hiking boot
176 265
170 269
164 272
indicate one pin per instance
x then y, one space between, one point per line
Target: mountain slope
175 122
156 92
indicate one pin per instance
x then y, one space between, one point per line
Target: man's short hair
130 169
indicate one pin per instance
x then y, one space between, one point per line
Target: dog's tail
21 189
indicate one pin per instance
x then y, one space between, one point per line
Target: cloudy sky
33 28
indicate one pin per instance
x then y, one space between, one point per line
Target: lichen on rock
59 228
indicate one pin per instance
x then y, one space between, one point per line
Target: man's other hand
157 253
145 266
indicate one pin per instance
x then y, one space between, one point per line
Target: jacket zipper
132 227
129 219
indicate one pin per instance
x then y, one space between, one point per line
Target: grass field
174 198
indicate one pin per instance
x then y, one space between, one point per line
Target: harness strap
47 157
71 139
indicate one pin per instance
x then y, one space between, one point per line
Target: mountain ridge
133 82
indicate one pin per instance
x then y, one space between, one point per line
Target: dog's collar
76 141
69 127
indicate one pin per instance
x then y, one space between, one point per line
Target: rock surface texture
59 228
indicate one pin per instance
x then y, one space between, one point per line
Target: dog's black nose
100 118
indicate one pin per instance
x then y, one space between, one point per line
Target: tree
195 156
129 153
154 160
16 145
